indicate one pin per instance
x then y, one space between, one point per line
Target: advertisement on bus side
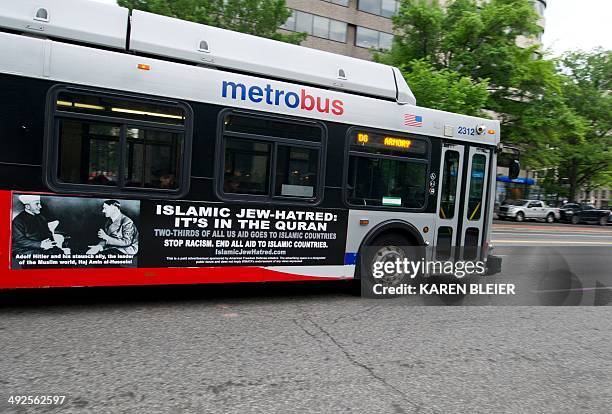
49 231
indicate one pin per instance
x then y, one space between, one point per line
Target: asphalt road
316 347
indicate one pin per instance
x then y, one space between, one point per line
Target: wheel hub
389 254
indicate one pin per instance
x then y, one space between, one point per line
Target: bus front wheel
374 267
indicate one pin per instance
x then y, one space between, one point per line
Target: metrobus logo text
278 97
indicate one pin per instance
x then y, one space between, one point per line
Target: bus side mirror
515 169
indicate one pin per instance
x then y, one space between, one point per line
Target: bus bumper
494 265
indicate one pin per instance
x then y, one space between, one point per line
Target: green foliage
479 43
476 41
445 89
420 30
586 159
256 17
558 113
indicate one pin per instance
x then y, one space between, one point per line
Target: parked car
576 213
520 210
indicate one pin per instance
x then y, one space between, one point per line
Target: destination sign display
374 142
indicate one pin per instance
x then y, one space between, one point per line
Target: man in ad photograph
32 232
120 235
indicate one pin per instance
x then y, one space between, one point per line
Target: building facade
355 27
346 27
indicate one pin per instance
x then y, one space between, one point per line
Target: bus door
449 196
474 202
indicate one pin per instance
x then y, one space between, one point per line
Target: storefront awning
519 180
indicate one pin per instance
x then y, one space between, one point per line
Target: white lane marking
553 234
569 242
592 229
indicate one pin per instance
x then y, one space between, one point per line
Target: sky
570 25
577 24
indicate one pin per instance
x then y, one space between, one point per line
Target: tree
445 89
256 17
479 41
434 86
586 159
558 114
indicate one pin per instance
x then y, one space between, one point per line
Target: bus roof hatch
86 22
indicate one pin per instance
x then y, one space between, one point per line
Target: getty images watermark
401 277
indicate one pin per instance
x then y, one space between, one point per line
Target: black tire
384 248
520 217
575 219
603 221
550 218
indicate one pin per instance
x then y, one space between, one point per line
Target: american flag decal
413 120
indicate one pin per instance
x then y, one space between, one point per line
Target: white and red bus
139 149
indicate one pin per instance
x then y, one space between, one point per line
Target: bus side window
88 152
271 158
247 165
296 171
386 171
118 143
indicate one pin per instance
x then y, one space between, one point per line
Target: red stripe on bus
33 278
5 232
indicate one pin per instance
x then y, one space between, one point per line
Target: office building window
385 8
320 26
389 7
372 38
316 26
303 22
366 37
337 31
385 40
